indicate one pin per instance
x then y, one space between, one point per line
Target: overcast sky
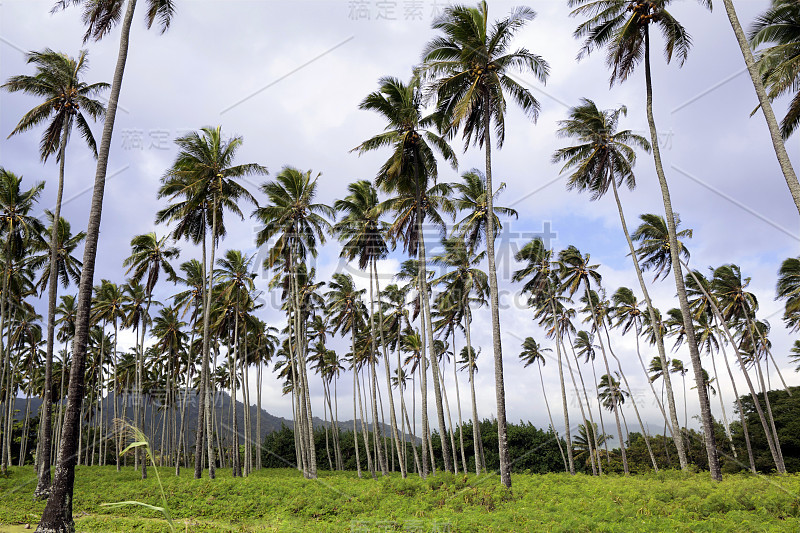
288 77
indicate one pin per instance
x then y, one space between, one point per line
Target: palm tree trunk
588 406
674 425
771 440
502 431
570 458
765 105
586 420
552 425
392 416
476 430
705 405
57 516
608 373
355 416
722 406
364 429
43 485
739 407
458 403
201 392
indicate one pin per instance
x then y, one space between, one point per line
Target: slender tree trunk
765 105
705 405
739 407
57 516
550 417
494 299
476 429
458 403
570 457
586 420
208 391
674 425
43 485
392 416
379 455
199 441
588 406
771 441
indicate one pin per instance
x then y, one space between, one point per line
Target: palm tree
362 233
68 102
776 69
533 353
574 270
150 255
472 197
604 159
19 229
471 65
295 223
788 288
203 183
407 173
623 27
100 18
465 285
541 286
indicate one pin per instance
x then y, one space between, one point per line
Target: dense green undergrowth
281 500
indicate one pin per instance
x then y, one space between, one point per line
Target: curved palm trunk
771 440
57 516
570 457
633 400
765 105
550 416
608 373
588 406
674 425
739 407
43 485
580 406
722 406
494 299
705 404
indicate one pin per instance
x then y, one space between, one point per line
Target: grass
281 500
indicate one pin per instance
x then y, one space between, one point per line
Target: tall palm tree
470 64
363 236
605 159
408 173
465 285
574 270
533 353
541 285
203 183
150 255
471 196
623 28
296 224
68 102
788 288
100 18
19 229
776 69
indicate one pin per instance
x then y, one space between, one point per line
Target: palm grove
206 340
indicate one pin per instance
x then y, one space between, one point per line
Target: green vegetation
281 500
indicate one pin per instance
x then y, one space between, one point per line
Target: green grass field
281 500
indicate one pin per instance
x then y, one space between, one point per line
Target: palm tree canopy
471 197
653 239
68 100
361 230
603 153
471 64
101 16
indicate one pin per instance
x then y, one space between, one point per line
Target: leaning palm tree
603 160
776 68
533 353
203 183
68 102
788 288
293 225
623 28
408 173
471 66
100 18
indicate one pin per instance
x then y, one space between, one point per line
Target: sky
288 77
